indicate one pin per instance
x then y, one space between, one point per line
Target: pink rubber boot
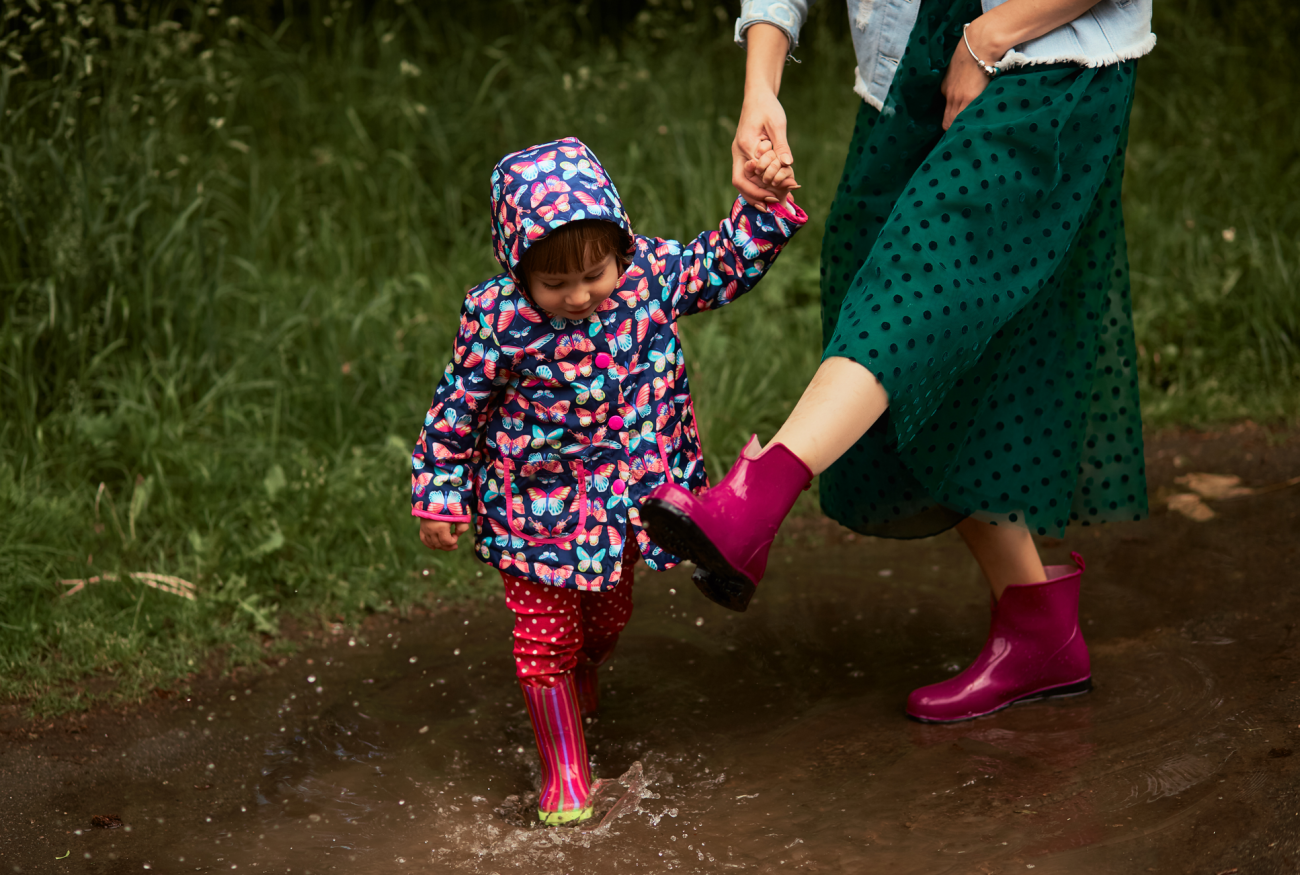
566 775
728 529
1035 650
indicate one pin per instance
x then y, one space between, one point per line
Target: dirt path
768 741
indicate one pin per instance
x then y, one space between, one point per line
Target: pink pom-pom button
603 360
616 423
618 487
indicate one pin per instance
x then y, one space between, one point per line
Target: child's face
575 295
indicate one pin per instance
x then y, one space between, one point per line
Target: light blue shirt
1110 32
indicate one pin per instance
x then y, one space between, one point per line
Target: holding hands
761 161
762 165
768 171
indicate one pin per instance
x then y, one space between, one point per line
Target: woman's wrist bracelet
989 69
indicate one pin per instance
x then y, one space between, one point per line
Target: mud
764 742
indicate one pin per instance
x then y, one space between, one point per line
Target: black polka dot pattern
981 274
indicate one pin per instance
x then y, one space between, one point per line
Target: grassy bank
232 248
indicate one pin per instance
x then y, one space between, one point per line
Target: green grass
1214 231
232 249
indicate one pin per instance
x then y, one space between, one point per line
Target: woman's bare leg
837 408
1006 553
843 400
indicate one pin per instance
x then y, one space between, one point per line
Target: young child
565 403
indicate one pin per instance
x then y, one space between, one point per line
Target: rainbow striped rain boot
566 793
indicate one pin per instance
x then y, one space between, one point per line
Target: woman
979 356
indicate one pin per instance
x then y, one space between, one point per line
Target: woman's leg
727 530
1035 648
1006 553
837 408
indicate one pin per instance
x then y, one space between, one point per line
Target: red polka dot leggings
557 629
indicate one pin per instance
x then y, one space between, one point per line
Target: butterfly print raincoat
553 430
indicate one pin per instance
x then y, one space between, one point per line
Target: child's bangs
572 247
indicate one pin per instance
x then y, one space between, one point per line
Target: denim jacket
1110 32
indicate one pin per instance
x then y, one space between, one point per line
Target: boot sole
564 818
671 528
1078 688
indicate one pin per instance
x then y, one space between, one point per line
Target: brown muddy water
770 741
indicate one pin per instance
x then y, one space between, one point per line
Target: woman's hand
441 534
994 34
759 151
762 118
964 80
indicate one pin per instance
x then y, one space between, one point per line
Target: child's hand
440 534
767 170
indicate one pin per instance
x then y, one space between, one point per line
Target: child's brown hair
573 246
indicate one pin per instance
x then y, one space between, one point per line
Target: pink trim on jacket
440 517
794 215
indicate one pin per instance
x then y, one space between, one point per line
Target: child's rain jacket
556 429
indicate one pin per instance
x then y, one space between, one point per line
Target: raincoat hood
539 189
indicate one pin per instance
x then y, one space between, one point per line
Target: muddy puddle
764 742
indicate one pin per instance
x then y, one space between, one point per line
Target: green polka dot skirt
981 273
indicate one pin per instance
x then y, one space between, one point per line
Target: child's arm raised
442 462
719 266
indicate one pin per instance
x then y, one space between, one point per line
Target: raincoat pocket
678 463
546 501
